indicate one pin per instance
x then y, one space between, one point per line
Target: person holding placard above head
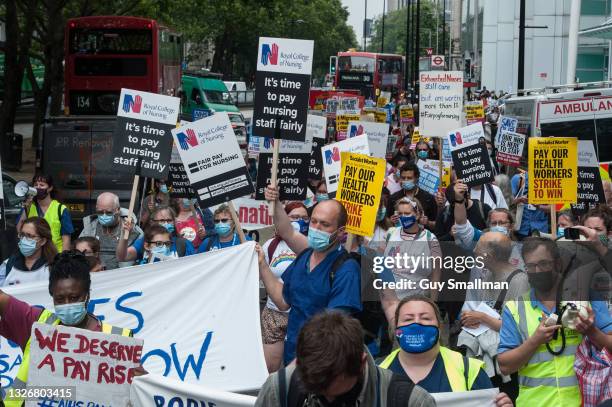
158 196
428 364
411 238
36 252
163 216
226 236
279 256
322 276
409 178
55 213
70 289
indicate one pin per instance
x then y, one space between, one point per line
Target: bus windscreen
116 41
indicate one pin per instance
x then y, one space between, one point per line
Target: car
240 130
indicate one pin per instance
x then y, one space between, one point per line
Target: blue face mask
408 185
223 229
417 338
71 314
397 174
162 251
106 220
186 203
500 229
407 221
169 227
27 246
322 197
300 226
422 154
380 215
319 240
163 189
560 232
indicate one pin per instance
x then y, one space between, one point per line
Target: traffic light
332 65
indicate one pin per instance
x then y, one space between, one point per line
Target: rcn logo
269 54
132 103
455 139
187 139
332 156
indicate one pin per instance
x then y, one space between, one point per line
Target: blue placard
198 114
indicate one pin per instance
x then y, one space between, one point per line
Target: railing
243 97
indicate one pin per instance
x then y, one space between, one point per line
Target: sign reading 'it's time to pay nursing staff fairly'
283 84
553 172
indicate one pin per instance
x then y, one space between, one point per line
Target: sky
356 10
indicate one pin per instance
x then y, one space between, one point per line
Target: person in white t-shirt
383 221
489 194
279 256
411 238
36 252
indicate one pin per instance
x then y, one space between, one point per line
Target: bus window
356 64
110 41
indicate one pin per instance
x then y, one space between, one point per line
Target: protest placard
259 145
343 117
380 115
292 176
416 137
316 126
506 123
510 148
446 152
552 170
177 177
179 345
383 99
331 159
429 175
474 112
470 157
406 114
282 85
99 367
590 188
215 166
141 140
440 102
359 190
391 142
377 134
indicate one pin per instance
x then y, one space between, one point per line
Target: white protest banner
377 133
440 102
211 155
282 82
510 148
473 398
159 391
189 334
470 157
141 140
331 159
99 366
316 128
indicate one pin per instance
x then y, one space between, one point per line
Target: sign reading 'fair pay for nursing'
142 142
553 172
283 84
98 367
361 180
213 161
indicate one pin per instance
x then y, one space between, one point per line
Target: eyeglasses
107 213
161 243
28 236
163 220
224 220
542 265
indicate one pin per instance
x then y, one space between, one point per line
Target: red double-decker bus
107 53
370 72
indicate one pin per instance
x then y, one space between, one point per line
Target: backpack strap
502 293
283 389
10 262
481 209
399 391
338 262
272 247
466 372
181 246
491 192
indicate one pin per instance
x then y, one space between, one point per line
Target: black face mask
542 281
41 193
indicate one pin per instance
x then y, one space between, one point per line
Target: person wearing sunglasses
163 216
70 288
106 227
36 251
226 235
